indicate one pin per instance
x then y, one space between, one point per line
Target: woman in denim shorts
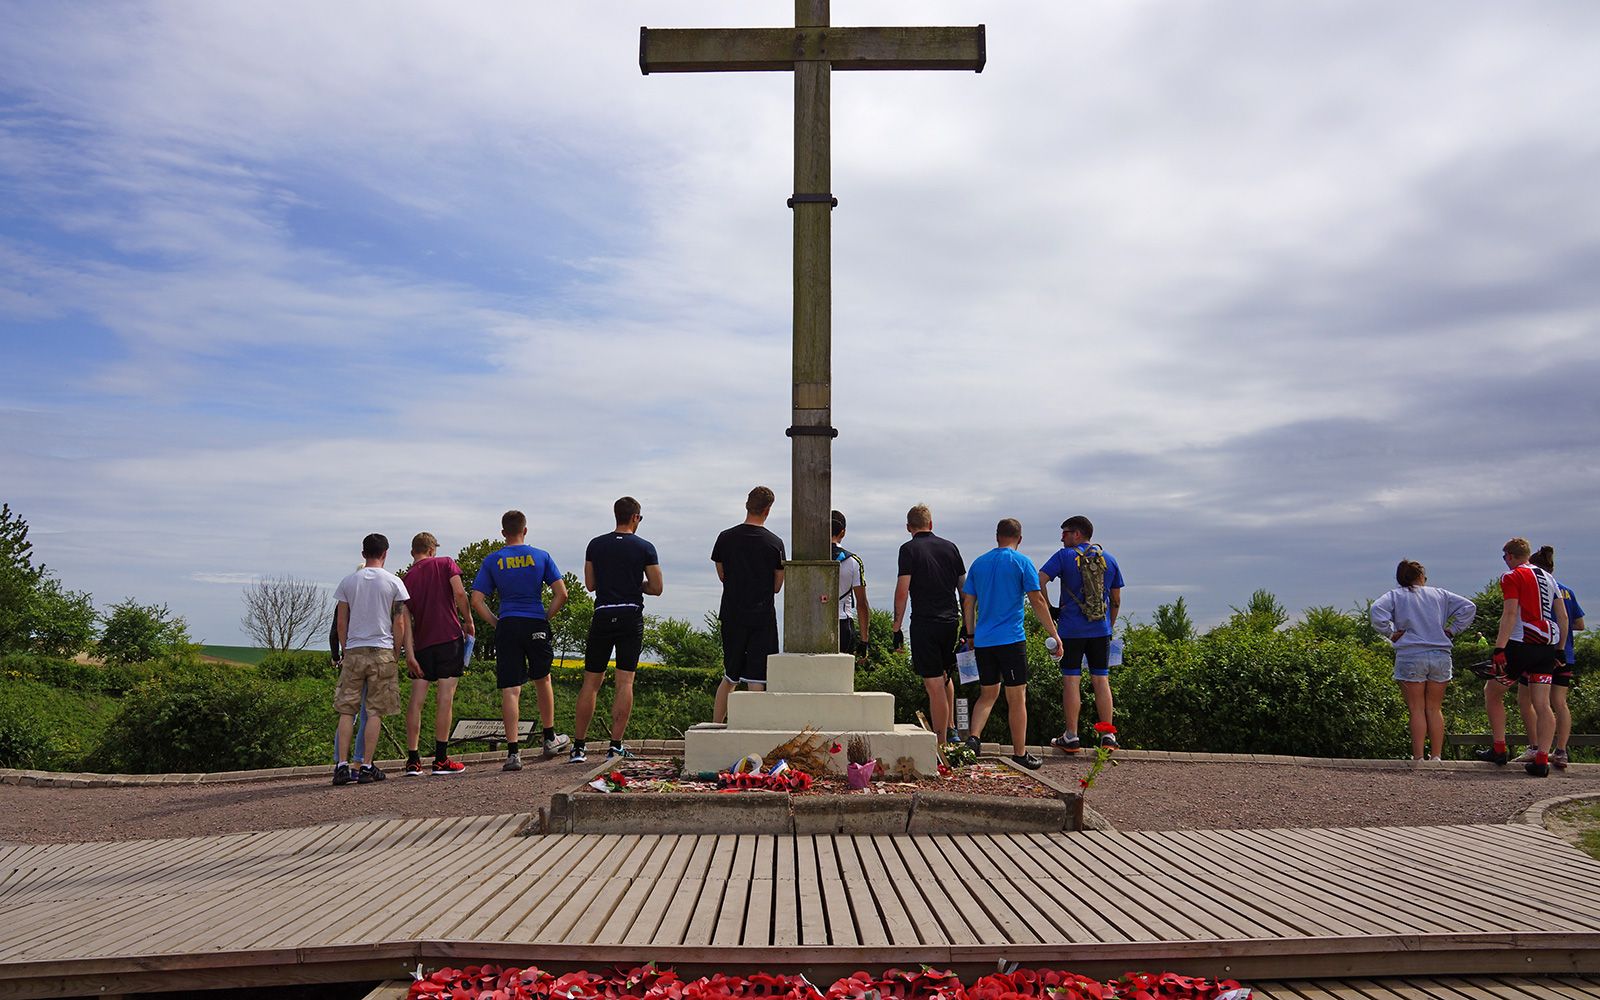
1422 621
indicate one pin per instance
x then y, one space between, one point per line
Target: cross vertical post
812 49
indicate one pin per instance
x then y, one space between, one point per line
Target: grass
1586 816
236 654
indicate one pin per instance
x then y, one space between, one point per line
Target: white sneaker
1528 756
556 744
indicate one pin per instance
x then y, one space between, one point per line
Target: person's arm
902 590
480 604
1561 620
652 580
1041 611
777 580
588 575
863 613
719 573
463 610
1509 620
408 627
558 597
1381 615
1462 611
341 621
1577 624
969 613
1114 605
402 636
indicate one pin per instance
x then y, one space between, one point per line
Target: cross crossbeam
811 49
725 50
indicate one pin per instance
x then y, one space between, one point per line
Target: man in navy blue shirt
522 629
1085 629
620 568
930 575
749 561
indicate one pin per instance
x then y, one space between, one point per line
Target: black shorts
1096 647
621 629
933 648
848 636
1006 664
442 661
745 648
1535 663
522 651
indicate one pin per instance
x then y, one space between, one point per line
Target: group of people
1533 652
428 618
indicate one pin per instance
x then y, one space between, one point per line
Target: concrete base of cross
807 689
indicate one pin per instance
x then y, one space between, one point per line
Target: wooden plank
653 865
646 926
527 888
835 901
547 917
714 886
675 921
1208 907
962 924
808 890
1074 919
1467 853
897 923
1011 928
1018 901
1111 897
785 897
1295 911
757 929
728 927
870 921
613 894
720 50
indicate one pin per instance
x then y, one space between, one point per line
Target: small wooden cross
811 49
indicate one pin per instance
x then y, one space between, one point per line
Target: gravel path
1138 794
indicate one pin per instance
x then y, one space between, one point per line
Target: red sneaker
448 766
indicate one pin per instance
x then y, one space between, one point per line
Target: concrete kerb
1534 814
64 779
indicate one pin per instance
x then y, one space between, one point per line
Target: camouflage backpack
1092 567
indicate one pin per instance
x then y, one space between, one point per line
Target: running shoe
1559 757
513 761
369 773
1490 756
342 775
448 766
578 755
1109 741
1527 756
1537 770
556 744
1028 760
1067 743
612 753
975 744
413 768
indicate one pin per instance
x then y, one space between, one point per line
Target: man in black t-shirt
620 568
931 575
749 562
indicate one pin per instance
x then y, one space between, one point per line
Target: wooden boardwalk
374 899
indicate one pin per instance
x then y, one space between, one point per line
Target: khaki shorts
376 671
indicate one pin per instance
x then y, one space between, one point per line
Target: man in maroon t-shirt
437 653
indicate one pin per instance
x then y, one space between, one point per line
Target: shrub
206 719
289 665
1246 689
24 743
680 644
112 679
137 633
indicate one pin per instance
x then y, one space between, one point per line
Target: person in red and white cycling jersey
1533 627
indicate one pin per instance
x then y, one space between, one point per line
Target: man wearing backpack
1091 596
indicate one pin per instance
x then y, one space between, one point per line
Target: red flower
835 748
1104 727
1083 782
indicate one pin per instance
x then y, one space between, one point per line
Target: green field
238 654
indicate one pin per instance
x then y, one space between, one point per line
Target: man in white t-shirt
371 623
852 594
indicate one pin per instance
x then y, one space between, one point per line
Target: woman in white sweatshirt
1421 621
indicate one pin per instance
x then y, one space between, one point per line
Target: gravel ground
1136 795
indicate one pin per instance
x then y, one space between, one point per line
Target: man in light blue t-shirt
522 630
1085 627
997 583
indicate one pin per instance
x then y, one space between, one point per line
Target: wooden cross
810 49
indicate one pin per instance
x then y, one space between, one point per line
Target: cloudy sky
1276 294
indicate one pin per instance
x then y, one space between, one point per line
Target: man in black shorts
991 609
434 614
749 562
619 568
931 573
